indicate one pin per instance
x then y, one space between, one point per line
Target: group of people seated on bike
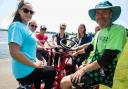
28 50
42 54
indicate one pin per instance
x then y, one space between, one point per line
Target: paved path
7 81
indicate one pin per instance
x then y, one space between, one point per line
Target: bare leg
66 83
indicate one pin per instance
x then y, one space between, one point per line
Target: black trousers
57 56
47 74
42 53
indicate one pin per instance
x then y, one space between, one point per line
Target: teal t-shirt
20 34
113 38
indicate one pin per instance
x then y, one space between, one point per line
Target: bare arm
40 46
39 43
92 66
78 52
15 52
83 46
55 42
48 43
83 49
106 59
89 67
19 56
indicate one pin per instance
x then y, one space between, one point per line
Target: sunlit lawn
121 75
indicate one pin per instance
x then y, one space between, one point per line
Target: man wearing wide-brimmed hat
106 48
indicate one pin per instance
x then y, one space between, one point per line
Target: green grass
121 74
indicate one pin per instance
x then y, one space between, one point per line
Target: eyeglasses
62 28
25 10
44 29
81 28
33 26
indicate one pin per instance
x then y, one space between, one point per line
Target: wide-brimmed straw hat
116 10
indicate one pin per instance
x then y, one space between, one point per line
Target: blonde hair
63 25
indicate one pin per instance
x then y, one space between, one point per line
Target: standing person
22 46
107 46
32 25
83 38
57 39
42 38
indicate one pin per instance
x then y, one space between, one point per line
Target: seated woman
22 46
57 39
82 39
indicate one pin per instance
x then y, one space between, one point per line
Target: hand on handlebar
59 46
74 49
55 46
73 53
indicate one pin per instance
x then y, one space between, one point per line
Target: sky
54 12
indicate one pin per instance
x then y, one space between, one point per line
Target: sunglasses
81 28
33 26
44 29
62 28
25 10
